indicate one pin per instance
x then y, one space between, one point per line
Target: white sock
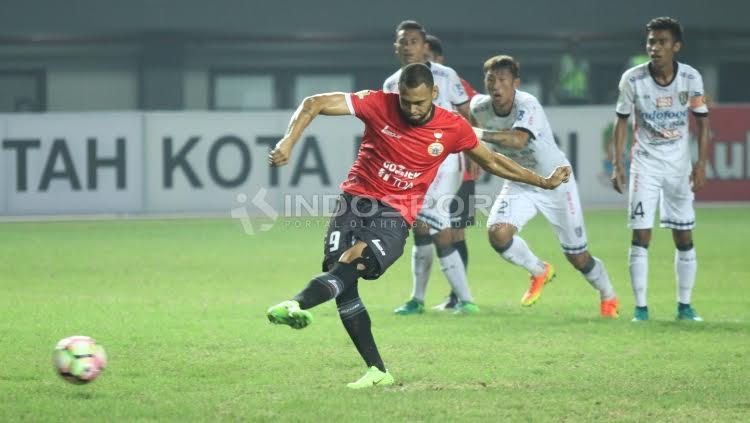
421 266
454 270
638 259
685 267
599 279
519 254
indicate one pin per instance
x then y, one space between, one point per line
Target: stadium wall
196 162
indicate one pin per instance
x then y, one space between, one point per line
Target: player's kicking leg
340 283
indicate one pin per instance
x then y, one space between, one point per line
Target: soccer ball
79 359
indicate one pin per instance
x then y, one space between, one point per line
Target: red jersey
397 161
470 91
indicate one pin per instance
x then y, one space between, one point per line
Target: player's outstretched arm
618 171
502 166
331 104
508 138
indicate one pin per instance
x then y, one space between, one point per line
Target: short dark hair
667 23
412 25
502 62
416 74
436 46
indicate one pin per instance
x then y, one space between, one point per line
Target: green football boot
687 312
466 307
640 314
412 306
289 313
373 377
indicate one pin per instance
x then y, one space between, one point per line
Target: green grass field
179 305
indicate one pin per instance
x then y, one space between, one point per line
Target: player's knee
421 228
445 249
420 239
501 236
683 240
366 265
583 262
641 238
443 238
501 248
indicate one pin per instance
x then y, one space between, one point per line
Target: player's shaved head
416 74
502 62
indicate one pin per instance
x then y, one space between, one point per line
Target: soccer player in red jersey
406 139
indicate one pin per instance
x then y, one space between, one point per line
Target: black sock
327 285
463 252
357 323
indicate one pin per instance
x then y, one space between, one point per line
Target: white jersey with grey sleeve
541 154
661 121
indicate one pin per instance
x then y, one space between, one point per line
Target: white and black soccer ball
79 359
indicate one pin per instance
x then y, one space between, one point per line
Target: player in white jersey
660 94
433 225
515 122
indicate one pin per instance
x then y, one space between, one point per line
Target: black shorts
463 206
361 218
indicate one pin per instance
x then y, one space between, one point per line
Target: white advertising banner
72 163
195 162
217 162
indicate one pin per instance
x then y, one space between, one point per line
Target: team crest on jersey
362 94
683 97
438 134
435 149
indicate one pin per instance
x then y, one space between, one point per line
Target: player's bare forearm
504 167
508 138
618 172
619 133
703 139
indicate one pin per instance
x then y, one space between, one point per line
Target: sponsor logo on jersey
435 149
389 132
664 102
520 115
667 114
683 96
